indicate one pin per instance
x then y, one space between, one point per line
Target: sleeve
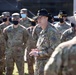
5 34
53 41
64 36
53 66
25 36
34 34
30 43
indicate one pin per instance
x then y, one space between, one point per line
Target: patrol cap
7 14
16 15
24 10
42 12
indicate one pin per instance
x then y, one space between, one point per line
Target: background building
53 6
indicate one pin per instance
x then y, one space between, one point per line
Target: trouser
2 58
19 60
39 66
30 59
1 73
30 62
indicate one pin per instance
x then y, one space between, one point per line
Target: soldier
30 45
62 60
36 31
63 14
61 26
16 37
47 41
6 16
69 33
25 20
4 24
51 19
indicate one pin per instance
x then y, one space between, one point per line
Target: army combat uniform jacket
68 34
15 39
47 41
62 60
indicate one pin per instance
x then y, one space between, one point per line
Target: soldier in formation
30 45
69 33
62 25
62 60
16 37
5 23
25 20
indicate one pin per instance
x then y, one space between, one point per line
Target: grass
15 72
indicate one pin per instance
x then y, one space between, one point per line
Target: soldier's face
42 19
7 17
15 21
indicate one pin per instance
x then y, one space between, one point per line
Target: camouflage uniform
2 45
2 50
68 34
61 27
62 60
71 32
36 31
47 41
30 45
25 23
16 39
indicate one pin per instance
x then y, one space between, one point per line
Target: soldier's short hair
16 15
24 10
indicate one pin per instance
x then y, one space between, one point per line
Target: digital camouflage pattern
47 41
61 27
36 32
2 48
68 34
62 60
26 23
30 45
15 39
